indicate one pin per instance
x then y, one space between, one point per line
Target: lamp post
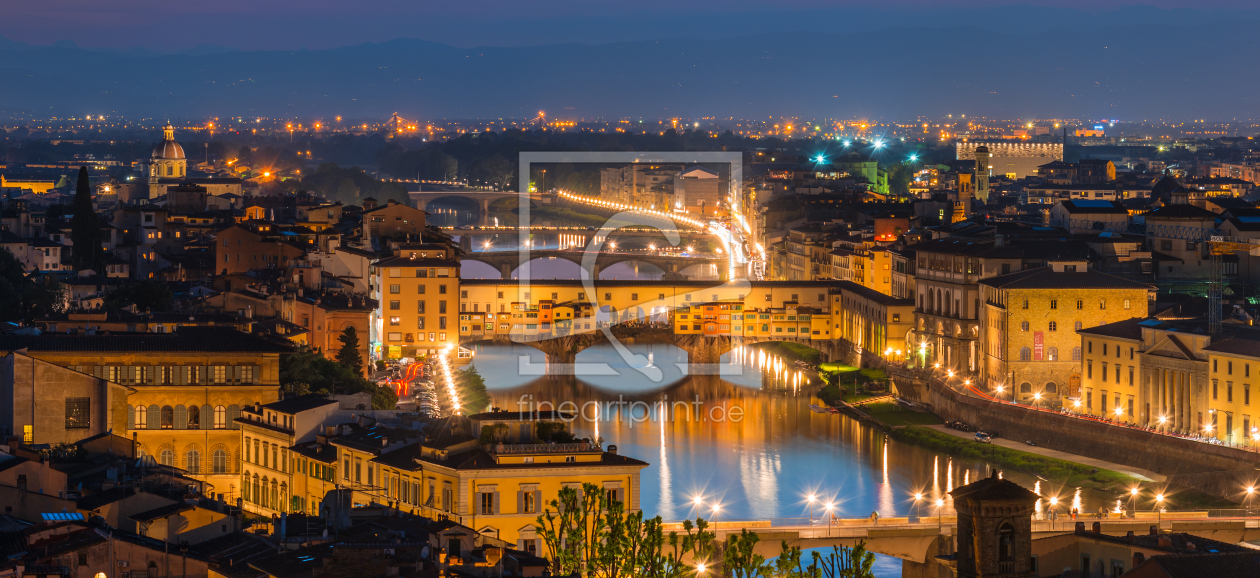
918 497
810 498
939 504
1133 493
1251 490
1159 507
1054 500
829 507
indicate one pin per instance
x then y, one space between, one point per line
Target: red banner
1039 345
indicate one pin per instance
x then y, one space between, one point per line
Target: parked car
983 438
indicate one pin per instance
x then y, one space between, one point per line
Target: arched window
275 495
257 496
194 417
220 462
1023 326
1080 304
1025 387
220 417
152 570
142 417
1076 354
168 417
1077 326
283 503
1025 354
1052 354
1052 387
1054 326
167 457
1006 545
193 460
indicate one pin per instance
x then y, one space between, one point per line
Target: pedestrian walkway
1141 474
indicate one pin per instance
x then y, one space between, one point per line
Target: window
1089 368
167 457
1080 304
395 305
220 417
1126 304
1025 387
1054 303
441 289
1052 354
395 320
1214 383
1025 354
1025 304
193 462
528 504
1023 326
142 417
194 417
78 412
1102 304
168 417
1054 326
1076 354
1077 326
395 289
487 503
219 463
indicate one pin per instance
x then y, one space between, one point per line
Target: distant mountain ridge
1135 71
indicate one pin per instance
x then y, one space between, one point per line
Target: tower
167 160
994 529
982 173
966 190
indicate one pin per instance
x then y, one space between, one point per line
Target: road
1144 475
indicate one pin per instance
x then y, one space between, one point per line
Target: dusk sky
166 25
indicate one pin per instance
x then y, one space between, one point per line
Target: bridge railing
1041 522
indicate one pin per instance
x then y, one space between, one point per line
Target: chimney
1165 542
1080 527
1097 527
1138 559
1129 535
1154 530
1190 545
999 240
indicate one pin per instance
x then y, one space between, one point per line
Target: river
763 463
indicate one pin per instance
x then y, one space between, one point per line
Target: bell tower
994 529
982 173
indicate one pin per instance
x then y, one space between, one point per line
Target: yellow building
874 322
1231 408
1029 322
497 487
277 473
186 389
874 269
38 187
418 291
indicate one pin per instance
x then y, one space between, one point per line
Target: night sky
175 25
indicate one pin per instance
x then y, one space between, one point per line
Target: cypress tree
85 227
349 355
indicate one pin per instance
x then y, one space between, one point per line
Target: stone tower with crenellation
994 529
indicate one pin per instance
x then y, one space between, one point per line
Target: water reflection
744 441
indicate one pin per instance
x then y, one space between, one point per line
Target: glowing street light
811 498
939 504
829 507
700 568
914 158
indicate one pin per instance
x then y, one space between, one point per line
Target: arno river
761 466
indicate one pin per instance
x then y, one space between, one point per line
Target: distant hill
1128 70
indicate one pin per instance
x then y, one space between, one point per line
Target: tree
844 562
349 355
25 297
472 390
146 295
85 227
739 559
495 170
347 191
899 177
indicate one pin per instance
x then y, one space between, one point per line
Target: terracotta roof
186 339
994 488
1046 278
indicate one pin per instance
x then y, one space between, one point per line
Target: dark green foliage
307 371
85 227
350 185
349 355
552 431
146 295
472 390
24 297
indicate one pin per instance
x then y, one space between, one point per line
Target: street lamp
1251 490
1133 493
716 508
1054 500
1159 507
829 507
810 498
939 504
918 497
700 568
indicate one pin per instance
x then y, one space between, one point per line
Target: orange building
252 245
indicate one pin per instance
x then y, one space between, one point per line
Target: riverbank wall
1216 470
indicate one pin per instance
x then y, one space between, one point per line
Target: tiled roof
1130 329
994 488
300 403
1246 563
161 512
1046 278
189 339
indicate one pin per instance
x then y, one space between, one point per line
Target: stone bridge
508 261
562 350
421 199
625 237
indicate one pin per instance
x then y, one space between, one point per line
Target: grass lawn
895 415
1070 473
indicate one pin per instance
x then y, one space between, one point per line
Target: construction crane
1219 246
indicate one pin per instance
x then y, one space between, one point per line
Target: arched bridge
508 261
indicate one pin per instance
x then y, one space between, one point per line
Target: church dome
168 149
